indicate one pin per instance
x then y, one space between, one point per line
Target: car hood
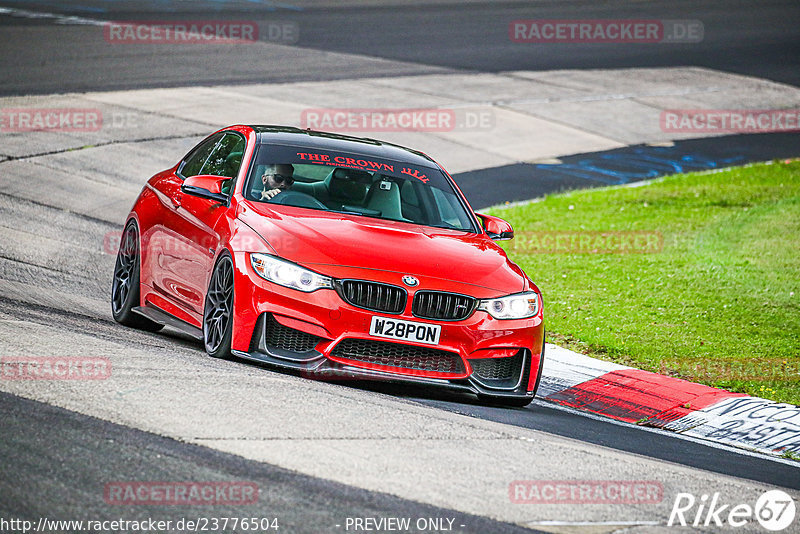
343 246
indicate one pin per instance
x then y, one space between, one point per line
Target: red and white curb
636 396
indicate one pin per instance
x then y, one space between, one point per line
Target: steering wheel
297 199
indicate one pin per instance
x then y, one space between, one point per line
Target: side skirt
162 317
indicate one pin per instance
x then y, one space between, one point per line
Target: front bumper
322 336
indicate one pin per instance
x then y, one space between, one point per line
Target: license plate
405 330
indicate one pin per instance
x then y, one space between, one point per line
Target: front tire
125 285
218 310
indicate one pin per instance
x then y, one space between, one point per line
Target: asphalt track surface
759 39
570 423
43 56
630 164
91 453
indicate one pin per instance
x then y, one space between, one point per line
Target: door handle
176 201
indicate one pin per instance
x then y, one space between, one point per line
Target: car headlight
519 306
288 274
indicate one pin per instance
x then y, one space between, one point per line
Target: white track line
708 443
57 17
592 523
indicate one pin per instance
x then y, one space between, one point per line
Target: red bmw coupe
334 256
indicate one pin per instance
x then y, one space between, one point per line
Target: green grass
718 304
789 455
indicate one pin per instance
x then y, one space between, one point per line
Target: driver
276 179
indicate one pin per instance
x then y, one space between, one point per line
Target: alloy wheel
219 305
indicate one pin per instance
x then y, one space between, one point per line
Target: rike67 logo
774 510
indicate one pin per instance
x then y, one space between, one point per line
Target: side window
195 161
449 209
226 158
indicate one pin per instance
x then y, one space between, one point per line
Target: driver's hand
267 195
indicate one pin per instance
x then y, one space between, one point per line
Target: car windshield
355 184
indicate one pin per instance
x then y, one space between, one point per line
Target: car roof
288 135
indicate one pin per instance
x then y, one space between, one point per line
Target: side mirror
206 186
496 228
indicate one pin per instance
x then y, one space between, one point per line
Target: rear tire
125 288
218 310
